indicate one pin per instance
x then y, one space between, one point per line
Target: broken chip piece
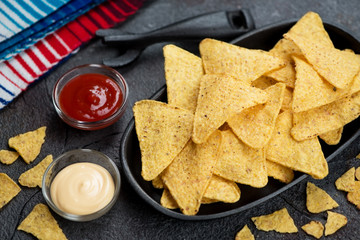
347 181
279 221
334 222
244 234
317 200
314 228
8 157
33 177
8 189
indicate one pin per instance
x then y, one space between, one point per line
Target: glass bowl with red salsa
90 97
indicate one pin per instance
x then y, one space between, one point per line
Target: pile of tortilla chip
238 115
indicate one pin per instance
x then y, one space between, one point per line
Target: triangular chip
242 63
220 97
317 200
279 172
8 189
157 182
279 221
347 181
332 137
305 156
28 145
334 222
354 196
314 228
8 157
42 224
33 176
188 176
244 234
163 131
182 73
314 122
255 125
263 82
240 163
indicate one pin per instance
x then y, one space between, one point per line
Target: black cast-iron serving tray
263 38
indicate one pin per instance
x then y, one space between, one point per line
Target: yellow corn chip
163 131
317 200
240 163
242 63
326 118
189 174
157 182
284 49
354 196
28 145
347 181
333 137
182 73
263 82
357 173
244 234
287 101
279 172
8 189
42 224
8 157
33 176
167 201
220 97
223 190
255 125
305 156
334 222
314 228
280 221
358 156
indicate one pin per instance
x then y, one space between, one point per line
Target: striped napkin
27 66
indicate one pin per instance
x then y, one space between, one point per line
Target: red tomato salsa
90 97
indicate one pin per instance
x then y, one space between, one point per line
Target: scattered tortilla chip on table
279 221
163 131
354 196
305 156
332 137
279 172
347 181
220 97
314 228
33 177
183 71
244 234
42 224
28 144
255 125
317 200
8 189
242 63
334 222
188 176
240 163
8 157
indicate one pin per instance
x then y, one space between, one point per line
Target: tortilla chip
357 173
240 163
287 101
263 82
42 224
163 131
335 115
8 189
279 172
284 49
280 221
33 177
255 125
157 182
167 201
8 157
347 181
317 200
189 174
28 145
334 222
333 137
220 97
241 63
182 73
314 228
244 234
222 190
305 156
354 196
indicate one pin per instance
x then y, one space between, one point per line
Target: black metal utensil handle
224 25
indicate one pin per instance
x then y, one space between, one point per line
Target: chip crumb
317 200
347 181
244 234
314 228
8 157
8 189
334 222
33 176
279 221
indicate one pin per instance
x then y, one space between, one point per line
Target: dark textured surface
131 217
